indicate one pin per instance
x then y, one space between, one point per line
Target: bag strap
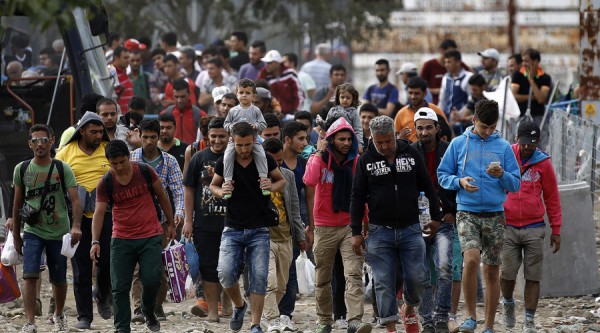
47 183
61 173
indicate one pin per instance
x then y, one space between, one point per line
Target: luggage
176 266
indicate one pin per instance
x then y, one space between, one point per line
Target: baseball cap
528 133
408 68
490 53
134 45
271 56
426 113
263 93
219 92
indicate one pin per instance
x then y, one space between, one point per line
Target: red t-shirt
134 214
192 88
126 92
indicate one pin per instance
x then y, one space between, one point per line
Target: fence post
593 166
563 147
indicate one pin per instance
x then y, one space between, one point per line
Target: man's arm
97 222
310 203
188 203
446 172
216 187
277 180
539 93
317 106
16 227
521 98
77 213
176 185
205 98
511 178
295 213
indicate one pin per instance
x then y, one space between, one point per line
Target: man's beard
382 78
166 139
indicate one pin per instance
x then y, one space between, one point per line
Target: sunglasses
43 140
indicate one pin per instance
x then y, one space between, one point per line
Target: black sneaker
428 328
160 312
152 323
441 327
83 324
138 317
104 309
356 326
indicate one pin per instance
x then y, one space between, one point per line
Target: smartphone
494 164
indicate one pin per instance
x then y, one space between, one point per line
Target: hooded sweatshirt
526 207
88 169
320 173
391 191
470 155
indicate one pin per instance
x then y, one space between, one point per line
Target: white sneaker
60 324
286 324
29 328
274 326
341 324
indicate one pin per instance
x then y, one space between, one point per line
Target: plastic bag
305 271
193 259
10 256
176 266
67 250
9 288
190 288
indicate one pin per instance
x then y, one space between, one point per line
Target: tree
44 13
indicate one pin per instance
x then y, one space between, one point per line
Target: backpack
61 175
196 110
145 170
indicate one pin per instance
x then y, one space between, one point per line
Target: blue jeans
385 248
255 242
435 308
33 248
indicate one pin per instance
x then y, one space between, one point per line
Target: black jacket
447 197
391 192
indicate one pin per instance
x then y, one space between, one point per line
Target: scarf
342 182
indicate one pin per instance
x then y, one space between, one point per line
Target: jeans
255 242
287 305
435 308
386 247
124 255
82 269
33 249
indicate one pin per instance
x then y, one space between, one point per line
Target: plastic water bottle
424 217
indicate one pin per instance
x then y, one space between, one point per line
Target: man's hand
322 144
555 243
265 184
465 183
75 236
495 171
302 245
95 253
431 228
358 245
178 221
310 236
171 232
9 223
133 138
18 242
404 133
227 187
188 229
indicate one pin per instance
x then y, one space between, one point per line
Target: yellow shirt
88 169
281 232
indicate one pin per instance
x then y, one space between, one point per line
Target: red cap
134 45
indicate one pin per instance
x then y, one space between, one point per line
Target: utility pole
513 27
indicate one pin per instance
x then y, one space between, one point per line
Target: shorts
457 259
483 233
33 248
523 246
207 245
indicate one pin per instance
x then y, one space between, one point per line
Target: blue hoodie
477 153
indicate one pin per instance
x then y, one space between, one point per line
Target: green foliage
44 13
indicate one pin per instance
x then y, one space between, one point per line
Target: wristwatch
95 242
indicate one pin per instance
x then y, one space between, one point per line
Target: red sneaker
200 309
411 323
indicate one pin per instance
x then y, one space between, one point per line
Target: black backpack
145 170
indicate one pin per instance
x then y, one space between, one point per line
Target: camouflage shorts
483 233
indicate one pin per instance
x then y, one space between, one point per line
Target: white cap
219 92
426 113
490 53
271 56
407 67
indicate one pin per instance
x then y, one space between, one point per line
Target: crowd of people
258 161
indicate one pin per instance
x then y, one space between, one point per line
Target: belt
485 214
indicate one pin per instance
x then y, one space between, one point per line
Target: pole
60 66
593 166
504 106
547 109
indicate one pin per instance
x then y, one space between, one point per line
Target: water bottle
424 217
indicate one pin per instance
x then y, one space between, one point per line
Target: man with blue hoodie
482 167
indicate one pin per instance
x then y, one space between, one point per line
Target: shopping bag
67 250
176 267
10 256
305 270
9 288
193 259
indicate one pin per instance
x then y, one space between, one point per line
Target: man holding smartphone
481 166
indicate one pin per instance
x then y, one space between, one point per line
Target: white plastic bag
66 249
10 257
305 270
